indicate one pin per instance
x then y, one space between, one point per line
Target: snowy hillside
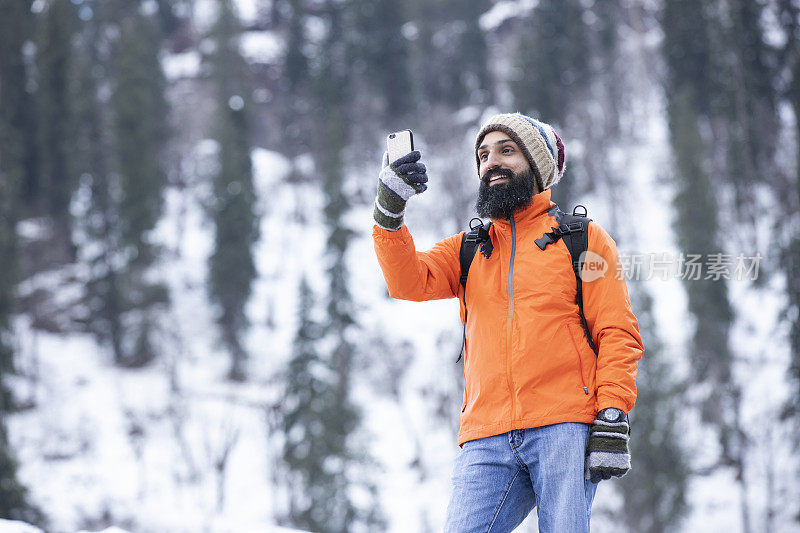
175 446
141 446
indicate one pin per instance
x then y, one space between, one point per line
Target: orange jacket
527 361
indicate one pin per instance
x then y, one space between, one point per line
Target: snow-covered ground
13 526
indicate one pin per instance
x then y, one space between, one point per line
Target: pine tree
55 110
168 20
12 495
297 124
14 174
139 111
104 292
344 415
18 136
655 490
748 101
296 62
688 52
695 204
16 168
341 324
552 68
474 51
792 266
330 496
309 420
449 53
232 268
14 498
552 60
381 46
14 503
117 150
789 61
425 57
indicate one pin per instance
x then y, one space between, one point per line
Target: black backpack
574 229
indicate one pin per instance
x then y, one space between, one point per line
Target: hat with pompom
538 141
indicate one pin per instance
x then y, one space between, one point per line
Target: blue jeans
498 480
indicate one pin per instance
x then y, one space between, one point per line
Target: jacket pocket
466 381
466 398
578 338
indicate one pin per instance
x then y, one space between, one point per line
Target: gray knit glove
396 184
607 453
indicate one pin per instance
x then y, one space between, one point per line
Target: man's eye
507 150
482 156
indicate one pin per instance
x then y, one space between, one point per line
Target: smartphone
399 144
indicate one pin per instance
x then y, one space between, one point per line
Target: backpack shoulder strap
574 230
577 242
576 237
478 235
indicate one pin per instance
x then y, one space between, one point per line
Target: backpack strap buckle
566 229
547 238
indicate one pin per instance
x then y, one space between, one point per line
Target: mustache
504 172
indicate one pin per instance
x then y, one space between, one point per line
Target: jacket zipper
511 314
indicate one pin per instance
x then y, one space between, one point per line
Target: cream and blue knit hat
538 141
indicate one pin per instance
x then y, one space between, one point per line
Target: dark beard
500 201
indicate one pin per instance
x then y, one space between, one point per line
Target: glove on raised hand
396 184
607 453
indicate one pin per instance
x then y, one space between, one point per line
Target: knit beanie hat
538 141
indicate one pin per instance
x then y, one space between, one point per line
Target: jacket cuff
386 220
606 400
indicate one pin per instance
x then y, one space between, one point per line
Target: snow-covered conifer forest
195 334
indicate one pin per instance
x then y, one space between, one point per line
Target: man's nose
492 160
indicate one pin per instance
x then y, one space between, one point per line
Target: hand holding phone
401 177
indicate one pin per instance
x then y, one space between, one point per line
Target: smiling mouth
497 175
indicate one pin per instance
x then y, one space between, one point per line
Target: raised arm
412 275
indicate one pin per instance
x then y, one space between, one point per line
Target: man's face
498 151
507 180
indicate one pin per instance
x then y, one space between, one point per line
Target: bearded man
549 366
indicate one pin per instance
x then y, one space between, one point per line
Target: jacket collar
540 203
